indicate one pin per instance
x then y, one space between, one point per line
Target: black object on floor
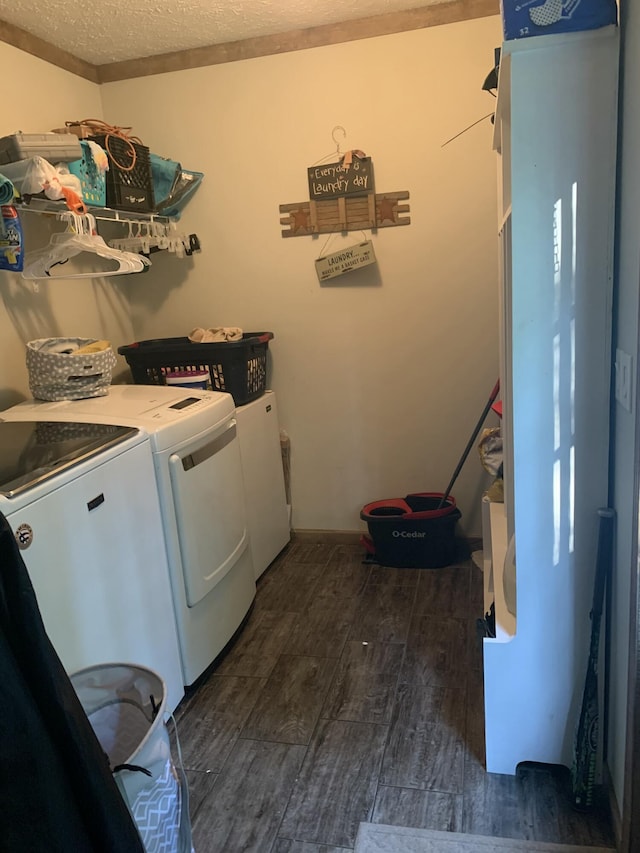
412 532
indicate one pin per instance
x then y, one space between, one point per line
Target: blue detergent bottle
11 239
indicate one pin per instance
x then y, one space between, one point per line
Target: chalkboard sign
332 180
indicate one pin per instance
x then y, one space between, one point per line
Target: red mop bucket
412 532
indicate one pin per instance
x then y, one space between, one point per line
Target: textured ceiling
114 30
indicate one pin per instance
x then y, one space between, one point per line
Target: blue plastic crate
524 18
92 180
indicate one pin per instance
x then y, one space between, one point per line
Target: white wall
45 97
382 376
625 423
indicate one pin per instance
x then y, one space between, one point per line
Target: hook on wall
338 131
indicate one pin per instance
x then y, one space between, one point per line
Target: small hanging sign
351 258
352 175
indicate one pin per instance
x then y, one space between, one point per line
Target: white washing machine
199 480
264 490
81 501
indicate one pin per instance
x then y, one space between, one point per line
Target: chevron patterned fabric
157 810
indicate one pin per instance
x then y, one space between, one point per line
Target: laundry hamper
236 367
69 368
125 704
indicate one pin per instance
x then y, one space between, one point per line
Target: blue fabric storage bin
165 174
524 18
183 192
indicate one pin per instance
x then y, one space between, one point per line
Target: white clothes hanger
153 234
81 239
128 263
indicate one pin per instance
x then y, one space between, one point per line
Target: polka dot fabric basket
69 368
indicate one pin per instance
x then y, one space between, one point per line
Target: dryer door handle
197 457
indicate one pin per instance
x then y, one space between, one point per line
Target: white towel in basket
215 334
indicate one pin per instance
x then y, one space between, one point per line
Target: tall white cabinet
555 134
263 476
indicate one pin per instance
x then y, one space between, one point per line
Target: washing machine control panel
206 404
182 404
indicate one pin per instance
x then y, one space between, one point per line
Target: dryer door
206 479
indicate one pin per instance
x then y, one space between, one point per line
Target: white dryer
80 499
199 481
264 489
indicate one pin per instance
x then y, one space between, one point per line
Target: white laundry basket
125 704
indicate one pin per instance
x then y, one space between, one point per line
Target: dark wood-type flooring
354 693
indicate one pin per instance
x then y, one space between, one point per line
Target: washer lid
169 414
31 452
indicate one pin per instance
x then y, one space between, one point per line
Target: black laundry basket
237 367
412 532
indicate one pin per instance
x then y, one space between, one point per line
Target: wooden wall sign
346 260
342 198
350 213
331 180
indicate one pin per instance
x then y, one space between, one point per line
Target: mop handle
485 412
